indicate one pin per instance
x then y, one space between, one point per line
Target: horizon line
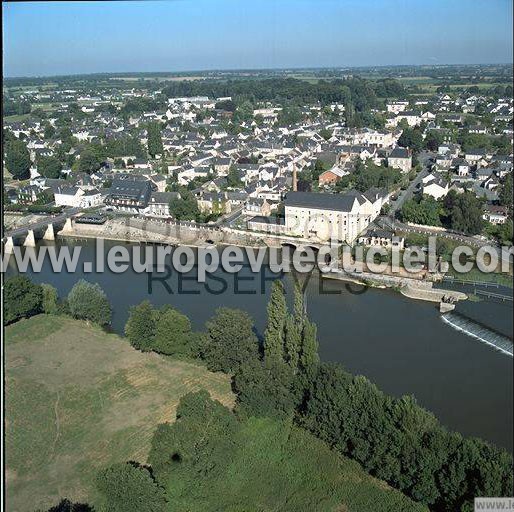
241 70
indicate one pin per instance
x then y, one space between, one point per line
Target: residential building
400 158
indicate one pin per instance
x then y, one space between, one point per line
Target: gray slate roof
336 202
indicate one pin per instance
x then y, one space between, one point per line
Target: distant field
157 78
78 399
16 118
418 80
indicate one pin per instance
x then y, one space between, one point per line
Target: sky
59 38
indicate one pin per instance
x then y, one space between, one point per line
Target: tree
234 177
294 330
89 161
49 299
425 211
128 487
289 115
411 138
49 167
184 207
265 388
275 329
22 298
308 354
200 439
172 332
231 340
49 131
154 139
506 196
464 212
433 140
17 159
88 301
325 133
141 325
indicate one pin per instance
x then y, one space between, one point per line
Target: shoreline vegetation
282 391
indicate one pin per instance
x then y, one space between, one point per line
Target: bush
22 299
165 330
87 301
127 487
65 505
172 332
140 326
50 299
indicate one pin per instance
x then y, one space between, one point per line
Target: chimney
295 178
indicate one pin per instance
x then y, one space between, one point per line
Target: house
236 199
412 118
222 165
400 158
491 183
141 163
462 167
159 204
495 214
213 202
477 129
331 176
159 181
396 107
382 238
256 206
483 173
77 197
475 155
451 150
436 187
191 173
453 118
427 116
29 194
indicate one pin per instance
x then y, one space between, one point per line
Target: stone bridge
45 229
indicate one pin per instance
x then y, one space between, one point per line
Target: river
401 345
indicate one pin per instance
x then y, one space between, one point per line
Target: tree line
85 301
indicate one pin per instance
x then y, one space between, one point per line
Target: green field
503 279
16 118
270 465
78 399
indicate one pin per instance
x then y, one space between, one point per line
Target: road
424 159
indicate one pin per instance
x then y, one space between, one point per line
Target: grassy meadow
79 399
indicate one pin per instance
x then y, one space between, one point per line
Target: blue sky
49 38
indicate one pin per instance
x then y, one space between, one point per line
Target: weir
480 332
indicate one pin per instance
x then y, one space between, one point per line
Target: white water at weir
479 332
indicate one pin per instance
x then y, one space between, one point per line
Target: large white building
336 217
77 197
